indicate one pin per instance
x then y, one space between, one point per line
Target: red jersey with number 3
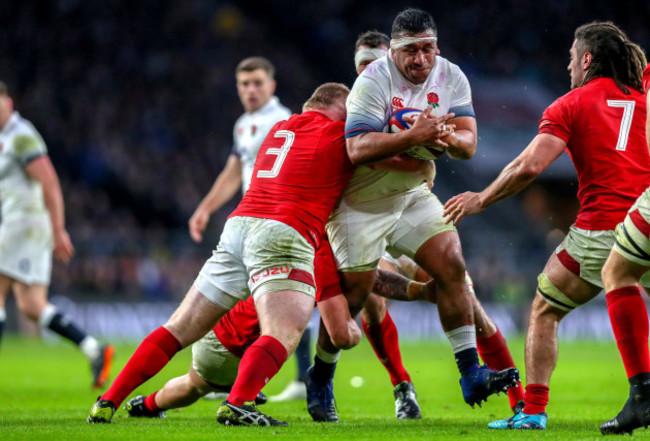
301 169
240 327
604 129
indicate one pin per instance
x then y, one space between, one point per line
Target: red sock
384 340
261 361
536 399
150 402
629 318
495 353
149 358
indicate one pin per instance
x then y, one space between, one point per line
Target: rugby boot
521 421
635 412
101 412
136 408
480 382
245 415
101 366
518 407
406 404
320 399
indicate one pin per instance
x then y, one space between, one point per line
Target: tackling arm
539 154
42 170
223 189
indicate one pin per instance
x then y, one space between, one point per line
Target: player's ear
587 58
273 85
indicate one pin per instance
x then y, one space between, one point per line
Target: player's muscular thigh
357 287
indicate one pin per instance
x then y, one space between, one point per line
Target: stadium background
136 101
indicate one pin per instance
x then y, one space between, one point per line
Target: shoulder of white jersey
23 127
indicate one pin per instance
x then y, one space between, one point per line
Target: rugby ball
397 124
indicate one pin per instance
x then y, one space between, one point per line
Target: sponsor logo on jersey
433 99
240 131
265 274
398 102
1 146
253 130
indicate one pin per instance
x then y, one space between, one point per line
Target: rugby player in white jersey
382 210
255 87
32 227
376 321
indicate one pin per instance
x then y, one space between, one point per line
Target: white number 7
281 152
626 121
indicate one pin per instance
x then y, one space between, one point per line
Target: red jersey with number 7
300 171
604 129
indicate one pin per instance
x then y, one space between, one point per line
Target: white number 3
282 152
626 121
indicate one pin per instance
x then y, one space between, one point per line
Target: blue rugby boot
479 382
521 421
320 399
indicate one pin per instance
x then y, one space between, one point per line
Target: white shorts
399 223
256 256
584 252
213 362
633 234
26 250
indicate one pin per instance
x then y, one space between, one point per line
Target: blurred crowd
136 101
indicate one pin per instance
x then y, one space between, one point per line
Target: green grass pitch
45 394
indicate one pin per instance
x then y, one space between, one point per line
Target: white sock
47 315
326 356
3 315
462 338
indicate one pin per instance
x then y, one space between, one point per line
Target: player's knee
346 337
551 295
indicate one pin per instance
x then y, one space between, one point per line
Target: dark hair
326 95
412 21
4 91
253 63
614 56
374 39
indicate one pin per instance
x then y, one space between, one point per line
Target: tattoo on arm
391 285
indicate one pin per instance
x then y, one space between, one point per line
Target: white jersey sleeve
461 102
368 104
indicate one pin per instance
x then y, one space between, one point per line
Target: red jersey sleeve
557 118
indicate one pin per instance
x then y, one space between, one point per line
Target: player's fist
197 224
63 249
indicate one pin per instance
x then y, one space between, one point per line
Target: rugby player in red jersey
624 271
600 123
216 356
267 251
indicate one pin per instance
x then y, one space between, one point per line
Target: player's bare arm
224 188
42 170
462 140
397 287
539 154
376 146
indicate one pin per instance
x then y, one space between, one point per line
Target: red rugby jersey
604 129
300 172
240 327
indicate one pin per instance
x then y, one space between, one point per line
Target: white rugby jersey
250 130
20 195
381 90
